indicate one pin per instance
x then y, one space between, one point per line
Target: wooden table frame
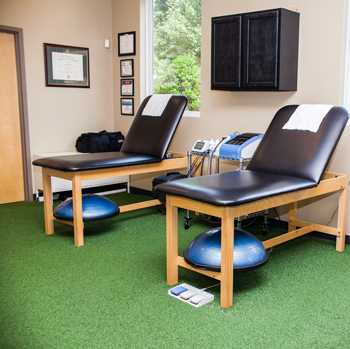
179 161
329 184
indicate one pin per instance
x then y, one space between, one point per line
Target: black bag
99 142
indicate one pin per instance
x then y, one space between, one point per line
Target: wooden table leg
293 208
342 211
48 211
171 241
77 211
227 239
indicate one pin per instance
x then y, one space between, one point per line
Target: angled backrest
299 153
151 135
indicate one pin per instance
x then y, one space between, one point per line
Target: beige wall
125 19
58 115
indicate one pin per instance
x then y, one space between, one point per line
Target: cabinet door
261 47
226 52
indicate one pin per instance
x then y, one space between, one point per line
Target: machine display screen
199 146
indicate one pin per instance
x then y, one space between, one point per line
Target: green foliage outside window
177 48
183 76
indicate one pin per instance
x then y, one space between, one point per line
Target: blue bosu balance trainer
95 207
204 251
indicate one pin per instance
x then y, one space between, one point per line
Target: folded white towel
156 105
307 117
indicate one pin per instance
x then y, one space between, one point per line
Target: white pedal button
188 294
198 298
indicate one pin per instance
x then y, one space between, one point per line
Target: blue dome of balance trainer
204 251
95 207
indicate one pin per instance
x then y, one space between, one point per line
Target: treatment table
288 167
145 150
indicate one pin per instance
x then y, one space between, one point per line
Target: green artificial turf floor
112 292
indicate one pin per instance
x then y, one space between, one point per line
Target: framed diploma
66 66
126 44
127 87
127 106
126 67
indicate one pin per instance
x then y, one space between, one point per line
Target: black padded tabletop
93 161
234 188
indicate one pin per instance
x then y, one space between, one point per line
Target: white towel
307 117
156 105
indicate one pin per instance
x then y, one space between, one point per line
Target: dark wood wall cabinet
256 51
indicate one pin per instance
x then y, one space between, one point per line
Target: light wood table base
178 162
330 183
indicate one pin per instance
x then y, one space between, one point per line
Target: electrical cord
333 215
207 288
212 154
203 159
195 165
335 211
209 219
277 214
247 225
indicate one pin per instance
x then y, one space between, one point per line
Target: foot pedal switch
191 295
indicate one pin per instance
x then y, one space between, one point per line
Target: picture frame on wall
127 106
126 44
127 87
66 66
126 67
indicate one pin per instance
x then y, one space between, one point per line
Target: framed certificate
127 87
126 67
127 106
126 44
66 66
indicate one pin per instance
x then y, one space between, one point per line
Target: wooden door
11 163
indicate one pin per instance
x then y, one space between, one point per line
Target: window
174 43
